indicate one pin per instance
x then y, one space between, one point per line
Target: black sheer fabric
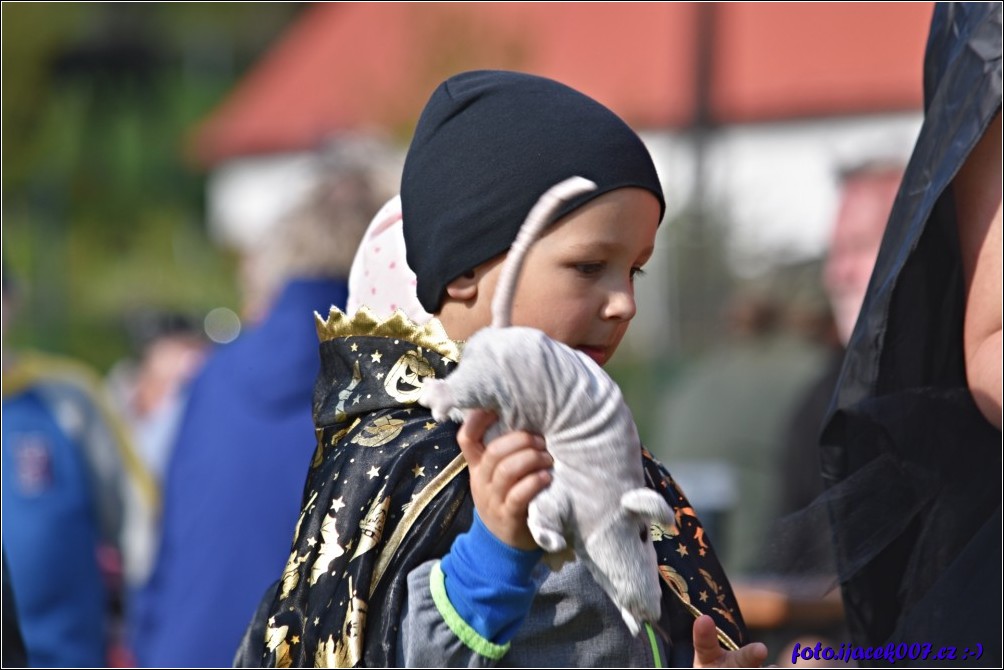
921 483
913 468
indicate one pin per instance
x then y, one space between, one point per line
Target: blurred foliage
101 211
698 289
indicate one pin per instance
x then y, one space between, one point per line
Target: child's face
577 284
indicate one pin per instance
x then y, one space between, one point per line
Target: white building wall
774 184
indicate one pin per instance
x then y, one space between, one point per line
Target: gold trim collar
363 323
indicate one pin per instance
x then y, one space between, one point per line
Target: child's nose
620 305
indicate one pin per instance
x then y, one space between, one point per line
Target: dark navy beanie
488 144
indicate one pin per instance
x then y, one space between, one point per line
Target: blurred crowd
147 510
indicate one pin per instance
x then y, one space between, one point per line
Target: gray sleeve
426 639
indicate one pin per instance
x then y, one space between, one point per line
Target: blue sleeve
490 584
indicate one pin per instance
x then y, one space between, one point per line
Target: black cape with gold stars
388 490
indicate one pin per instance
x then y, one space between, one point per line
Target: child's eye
589 268
637 272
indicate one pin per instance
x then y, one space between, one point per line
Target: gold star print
271 622
295 639
338 504
373 472
380 432
376 356
311 542
354 347
703 596
317 621
681 550
701 551
429 425
379 375
418 471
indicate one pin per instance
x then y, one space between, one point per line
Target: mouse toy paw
437 396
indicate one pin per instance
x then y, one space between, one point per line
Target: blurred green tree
101 211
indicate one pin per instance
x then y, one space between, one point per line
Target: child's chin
599 355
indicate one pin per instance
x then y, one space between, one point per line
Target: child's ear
464 287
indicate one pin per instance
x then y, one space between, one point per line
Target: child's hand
709 654
506 474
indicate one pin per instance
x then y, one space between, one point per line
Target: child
409 552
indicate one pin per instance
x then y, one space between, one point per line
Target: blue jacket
233 486
51 537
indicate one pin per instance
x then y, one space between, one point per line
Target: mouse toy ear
647 504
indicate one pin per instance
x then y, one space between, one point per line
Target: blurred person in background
911 447
797 547
149 392
724 419
70 480
169 347
867 192
236 472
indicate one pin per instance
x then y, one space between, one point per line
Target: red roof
352 66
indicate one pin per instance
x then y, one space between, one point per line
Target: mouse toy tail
538 219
